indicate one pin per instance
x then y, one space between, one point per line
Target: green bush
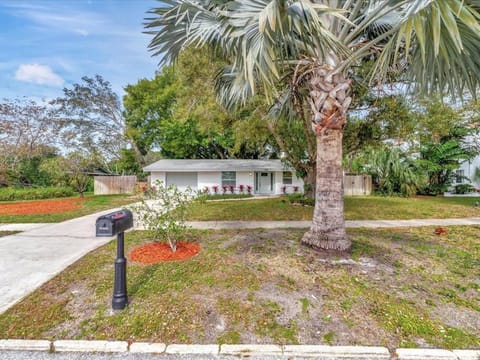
300 199
13 194
464 189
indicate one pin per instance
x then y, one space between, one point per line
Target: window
229 178
459 176
287 178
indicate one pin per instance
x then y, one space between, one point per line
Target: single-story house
262 177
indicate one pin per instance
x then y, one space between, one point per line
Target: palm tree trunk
328 226
329 102
309 180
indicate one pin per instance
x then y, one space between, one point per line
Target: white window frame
459 176
287 180
228 179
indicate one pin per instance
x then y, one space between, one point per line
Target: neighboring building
466 173
264 177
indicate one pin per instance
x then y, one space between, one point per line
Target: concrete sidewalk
349 223
31 258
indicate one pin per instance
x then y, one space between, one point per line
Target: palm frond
440 42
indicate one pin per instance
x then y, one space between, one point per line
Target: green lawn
402 287
90 205
356 208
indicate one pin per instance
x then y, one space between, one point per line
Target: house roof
216 165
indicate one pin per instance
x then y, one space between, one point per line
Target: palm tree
434 44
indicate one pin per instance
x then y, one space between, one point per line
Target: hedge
12 194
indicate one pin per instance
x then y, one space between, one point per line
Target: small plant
241 188
205 190
462 189
215 189
162 210
295 189
249 189
224 188
232 189
284 189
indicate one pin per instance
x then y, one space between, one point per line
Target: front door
264 182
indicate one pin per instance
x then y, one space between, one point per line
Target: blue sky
48 45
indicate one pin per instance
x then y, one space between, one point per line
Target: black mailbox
114 223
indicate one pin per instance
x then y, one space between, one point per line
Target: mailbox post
112 224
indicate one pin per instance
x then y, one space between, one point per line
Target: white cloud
38 74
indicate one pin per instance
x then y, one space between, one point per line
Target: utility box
114 223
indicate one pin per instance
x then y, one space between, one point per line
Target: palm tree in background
300 54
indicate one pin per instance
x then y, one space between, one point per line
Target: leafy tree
127 164
392 172
55 169
316 44
440 159
177 113
149 103
77 168
92 119
28 132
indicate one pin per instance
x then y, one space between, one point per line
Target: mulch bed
41 207
152 253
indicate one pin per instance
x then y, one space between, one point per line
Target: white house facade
258 177
467 173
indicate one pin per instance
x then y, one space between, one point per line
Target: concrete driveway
31 258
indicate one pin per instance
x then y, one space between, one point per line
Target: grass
356 208
90 205
405 287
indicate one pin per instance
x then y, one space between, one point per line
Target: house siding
289 188
208 179
158 176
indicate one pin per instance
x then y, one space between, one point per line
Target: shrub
215 189
162 210
249 189
463 189
225 196
13 194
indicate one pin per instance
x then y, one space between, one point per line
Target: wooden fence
357 185
108 185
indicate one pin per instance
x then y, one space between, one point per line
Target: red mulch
441 231
40 207
152 253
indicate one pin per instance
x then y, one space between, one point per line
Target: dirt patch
80 307
457 317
